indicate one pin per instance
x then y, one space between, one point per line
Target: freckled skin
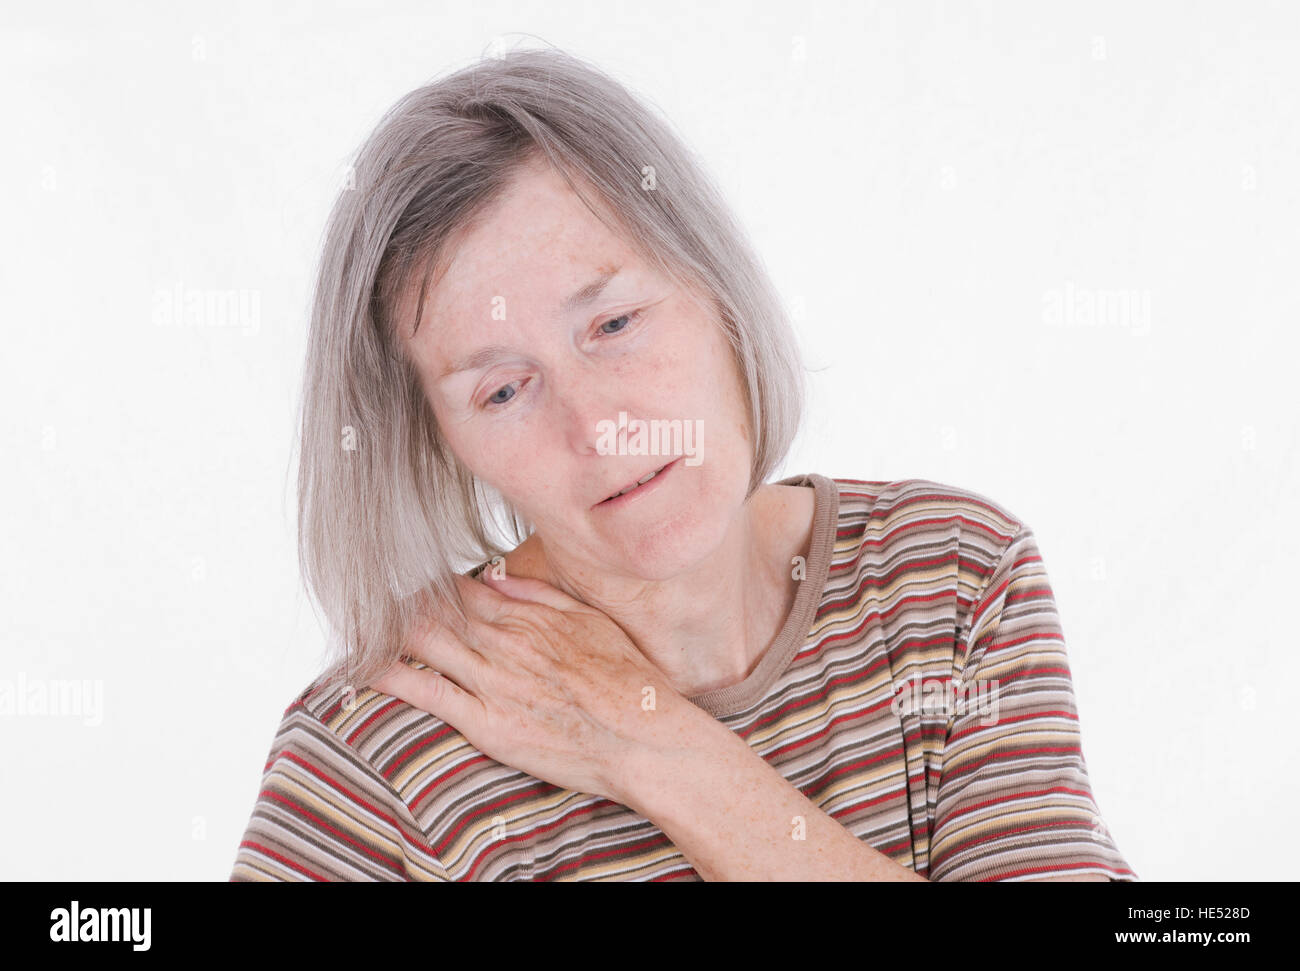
664 555
537 245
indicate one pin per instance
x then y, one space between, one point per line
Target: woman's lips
639 482
645 488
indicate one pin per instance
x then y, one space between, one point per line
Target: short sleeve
324 814
1013 800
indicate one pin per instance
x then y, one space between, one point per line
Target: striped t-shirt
918 693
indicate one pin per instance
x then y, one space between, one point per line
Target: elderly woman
533 306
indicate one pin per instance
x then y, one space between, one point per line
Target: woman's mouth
641 486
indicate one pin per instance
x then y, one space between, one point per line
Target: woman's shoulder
374 725
915 531
910 500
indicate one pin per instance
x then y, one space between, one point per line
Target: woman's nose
589 415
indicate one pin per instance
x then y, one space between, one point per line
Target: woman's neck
708 627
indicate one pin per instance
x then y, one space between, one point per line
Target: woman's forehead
536 217
538 244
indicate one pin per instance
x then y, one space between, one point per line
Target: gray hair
387 515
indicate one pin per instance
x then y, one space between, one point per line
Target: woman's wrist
667 765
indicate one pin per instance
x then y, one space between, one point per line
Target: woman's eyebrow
585 294
478 359
578 299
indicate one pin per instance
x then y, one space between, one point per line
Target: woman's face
527 369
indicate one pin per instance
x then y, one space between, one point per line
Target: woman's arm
734 817
557 692
324 814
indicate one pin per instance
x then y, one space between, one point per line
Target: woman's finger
481 601
431 692
537 591
442 649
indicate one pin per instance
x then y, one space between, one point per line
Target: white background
923 180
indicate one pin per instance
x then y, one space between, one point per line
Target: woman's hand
546 684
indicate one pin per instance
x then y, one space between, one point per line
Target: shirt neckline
793 634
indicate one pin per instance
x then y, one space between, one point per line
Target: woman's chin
666 548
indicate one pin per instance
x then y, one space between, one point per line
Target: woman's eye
626 318
504 393
496 399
